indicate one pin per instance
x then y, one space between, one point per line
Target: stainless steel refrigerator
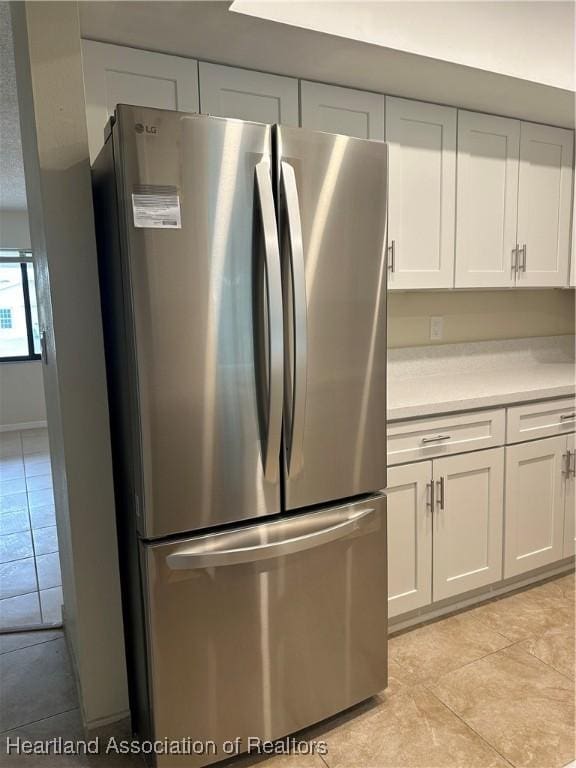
243 284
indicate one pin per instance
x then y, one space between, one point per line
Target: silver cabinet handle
392 256
515 258
436 438
198 556
440 498
568 417
430 495
522 264
572 465
297 388
273 293
567 464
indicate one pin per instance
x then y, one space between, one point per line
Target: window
19 330
5 318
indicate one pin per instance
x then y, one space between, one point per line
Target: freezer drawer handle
275 355
188 559
299 319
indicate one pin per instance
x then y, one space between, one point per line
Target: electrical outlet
436 328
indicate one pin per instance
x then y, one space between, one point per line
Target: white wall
529 39
21 387
21 394
14 230
478 315
59 193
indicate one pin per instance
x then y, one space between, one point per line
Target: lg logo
141 128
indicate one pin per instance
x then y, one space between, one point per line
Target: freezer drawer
263 630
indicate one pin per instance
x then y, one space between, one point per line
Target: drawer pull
436 438
568 417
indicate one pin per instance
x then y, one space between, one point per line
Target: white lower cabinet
409 537
570 499
536 485
450 542
461 522
468 514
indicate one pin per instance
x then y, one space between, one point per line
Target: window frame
23 258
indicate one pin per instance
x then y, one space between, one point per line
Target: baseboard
117 724
23 425
469 599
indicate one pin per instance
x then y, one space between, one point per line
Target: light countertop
425 381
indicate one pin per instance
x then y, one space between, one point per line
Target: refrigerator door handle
299 318
200 556
271 452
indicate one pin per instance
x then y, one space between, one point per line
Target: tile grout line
471 728
546 663
32 534
466 664
40 720
33 645
427 686
516 642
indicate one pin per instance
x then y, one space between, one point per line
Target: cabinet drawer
529 422
427 438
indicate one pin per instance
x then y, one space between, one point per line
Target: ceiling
12 188
528 39
208 31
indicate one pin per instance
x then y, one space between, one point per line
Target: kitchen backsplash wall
478 315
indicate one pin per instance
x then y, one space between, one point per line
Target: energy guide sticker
156 207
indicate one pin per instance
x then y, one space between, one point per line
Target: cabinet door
115 75
544 201
534 529
468 520
248 95
572 280
487 202
409 537
422 194
570 500
342 110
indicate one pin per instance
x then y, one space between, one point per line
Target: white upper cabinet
342 110
247 95
115 75
468 521
487 201
544 204
422 194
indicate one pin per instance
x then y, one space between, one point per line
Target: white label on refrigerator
156 207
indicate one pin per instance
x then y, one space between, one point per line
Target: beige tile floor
489 688
30 581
